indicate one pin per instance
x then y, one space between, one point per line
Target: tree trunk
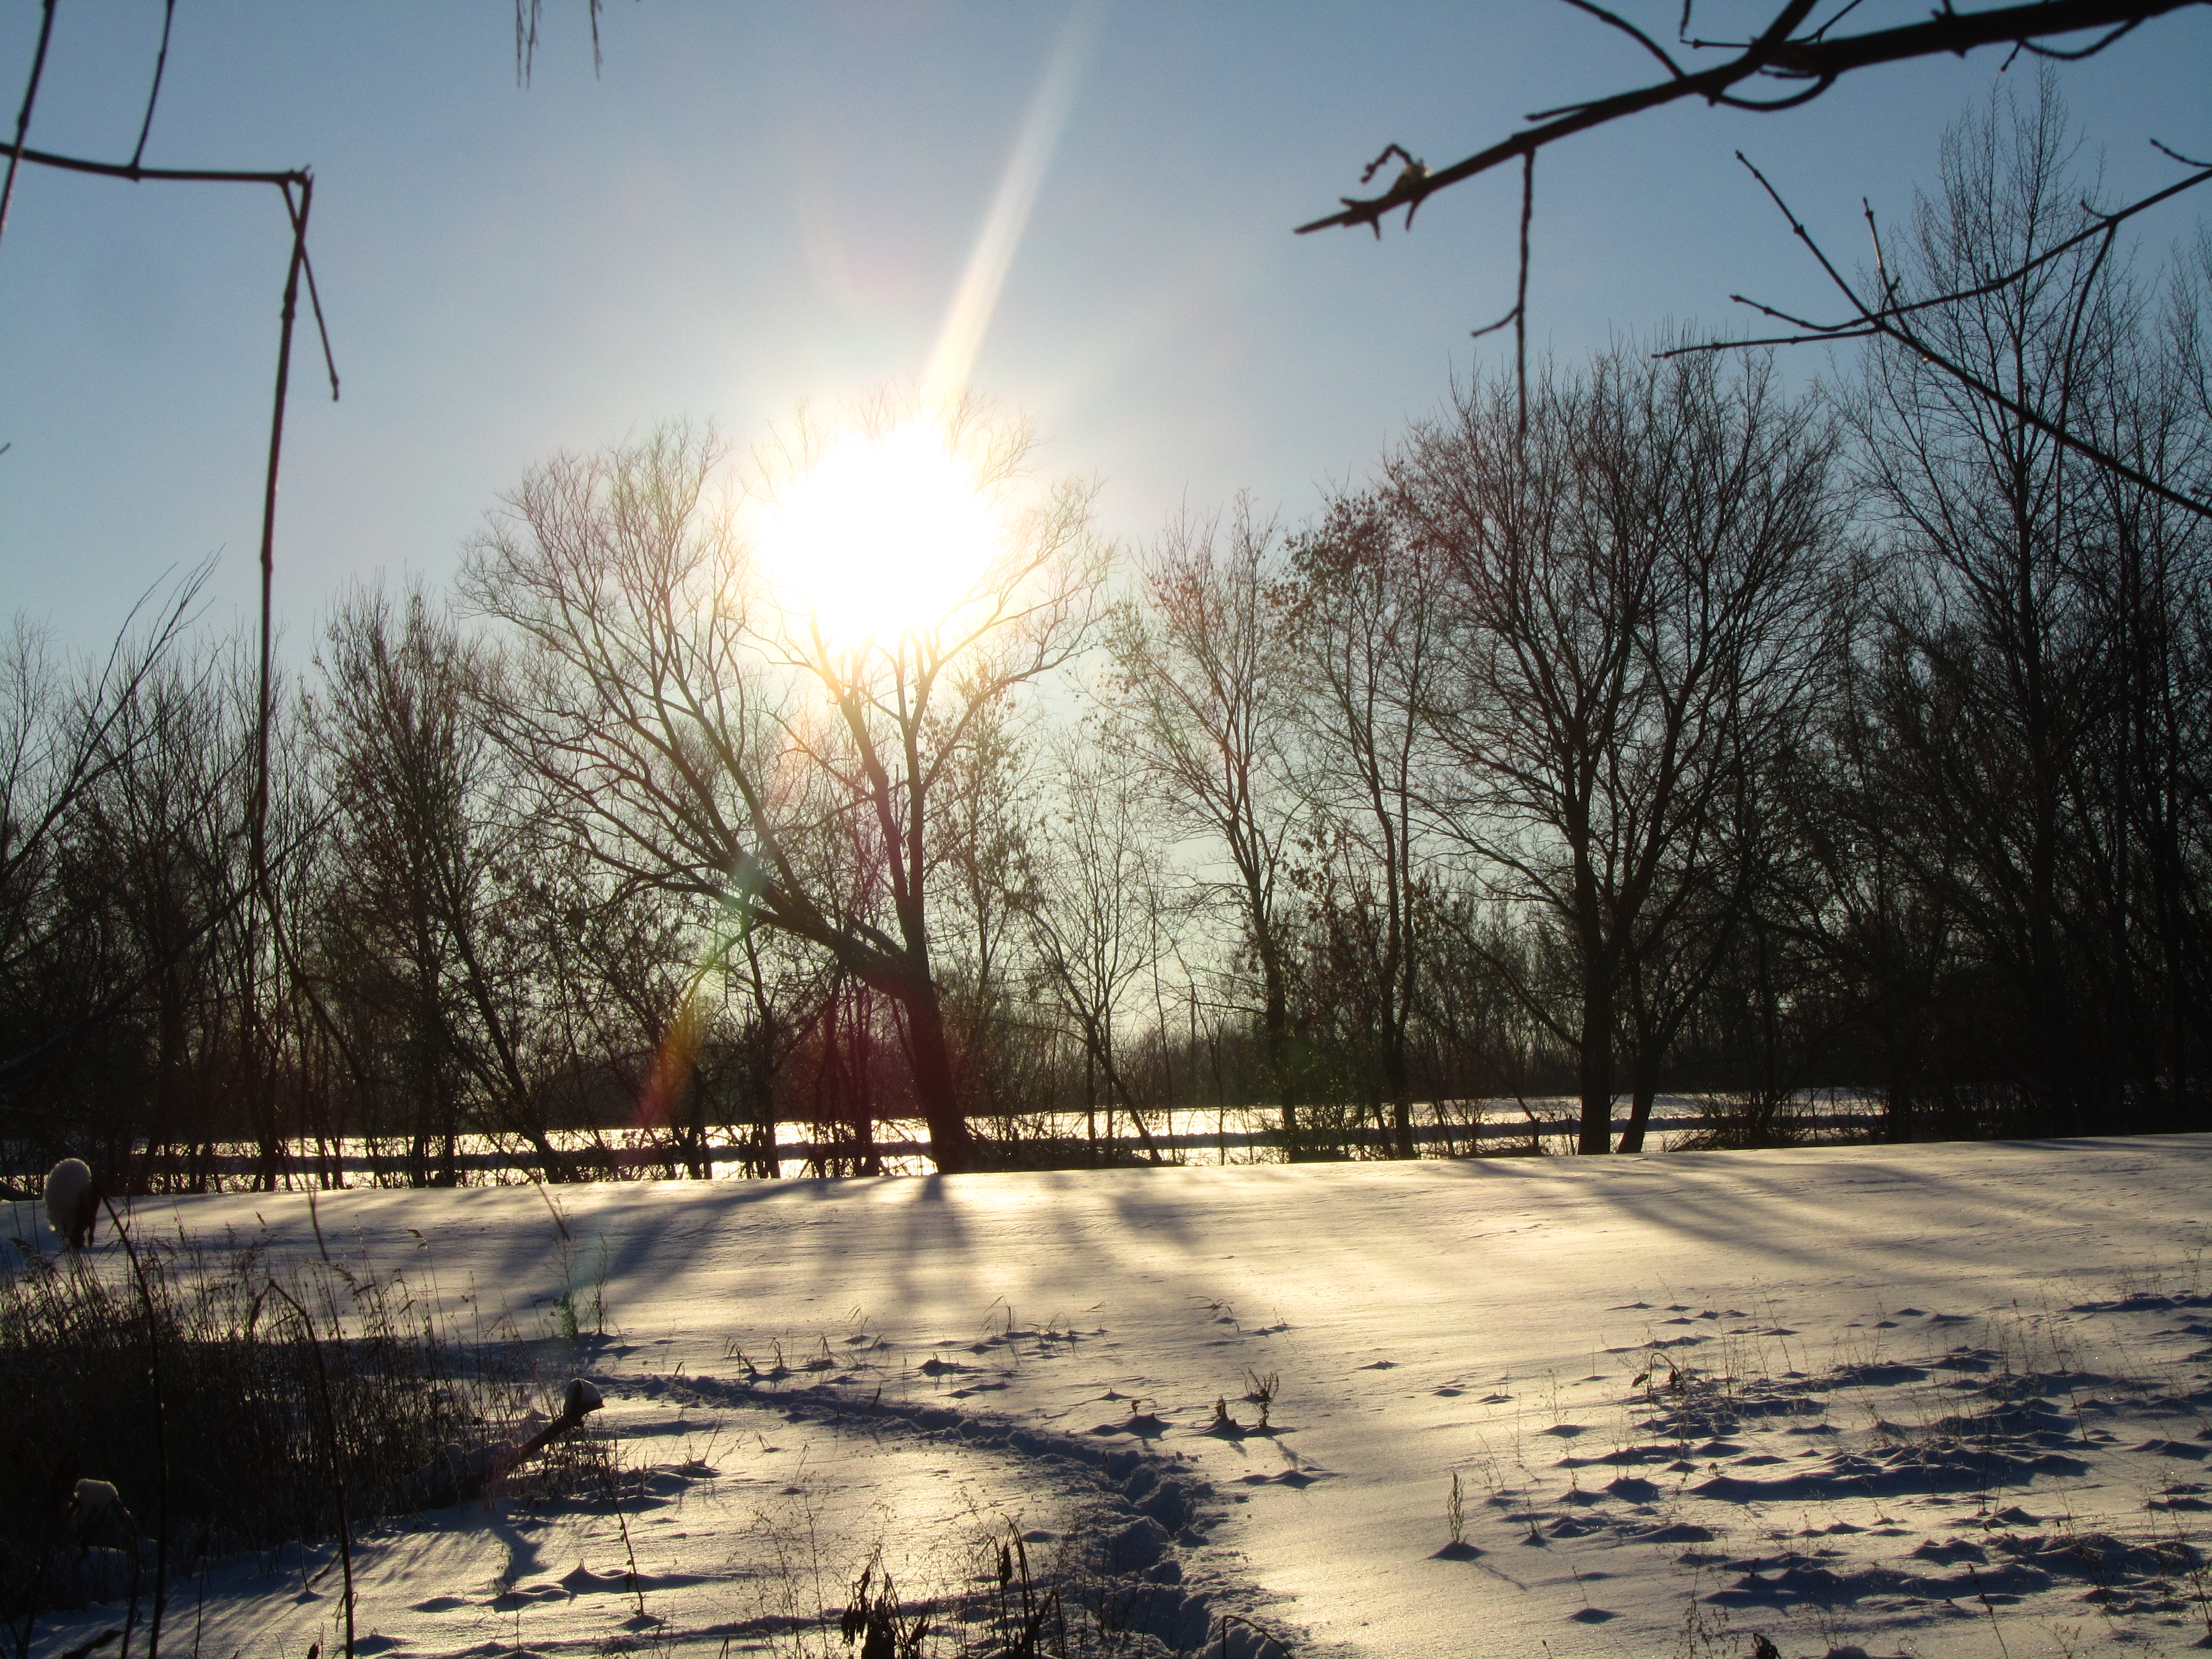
1644 1088
1394 1079
1115 1086
1275 1033
1897 1107
1596 1068
861 1073
951 1146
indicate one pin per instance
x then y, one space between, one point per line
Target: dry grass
244 1451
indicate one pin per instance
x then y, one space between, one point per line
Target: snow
1930 1399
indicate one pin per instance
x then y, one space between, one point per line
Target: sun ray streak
977 296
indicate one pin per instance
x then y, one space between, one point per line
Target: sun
885 534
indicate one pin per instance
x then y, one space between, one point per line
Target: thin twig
1886 321
2090 51
1518 316
2105 223
1815 34
314 295
161 63
331 1443
136 174
1520 297
525 41
259 829
23 119
635 1582
1631 32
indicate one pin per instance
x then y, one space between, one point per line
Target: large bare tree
697 737
421 927
1093 909
1636 577
2038 688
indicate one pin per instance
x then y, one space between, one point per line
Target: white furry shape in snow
72 1201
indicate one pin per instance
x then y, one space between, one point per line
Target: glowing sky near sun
887 531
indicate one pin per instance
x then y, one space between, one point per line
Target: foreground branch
1778 54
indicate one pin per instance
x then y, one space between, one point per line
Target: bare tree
694 741
1856 889
983 868
154 857
131 980
2039 669
1208 687
1371 631
1635 581
1091 910
431 853
58 741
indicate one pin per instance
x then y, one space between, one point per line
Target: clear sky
755 204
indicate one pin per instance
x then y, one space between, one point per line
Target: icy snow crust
1930 1400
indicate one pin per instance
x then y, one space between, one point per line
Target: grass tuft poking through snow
291 1400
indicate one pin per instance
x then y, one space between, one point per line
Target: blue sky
753 205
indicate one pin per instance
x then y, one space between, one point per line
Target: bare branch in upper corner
1807 60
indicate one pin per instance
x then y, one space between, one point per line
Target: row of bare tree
1656 726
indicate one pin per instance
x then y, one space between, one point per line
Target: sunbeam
977 296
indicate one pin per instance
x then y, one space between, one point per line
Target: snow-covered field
1930 1400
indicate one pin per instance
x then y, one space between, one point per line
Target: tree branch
1775 55
1886 320
153 96
23 119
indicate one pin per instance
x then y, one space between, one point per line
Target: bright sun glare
888 532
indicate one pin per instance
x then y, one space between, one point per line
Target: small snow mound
2187 1449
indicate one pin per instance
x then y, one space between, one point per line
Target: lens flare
993 257
679 1056
885 534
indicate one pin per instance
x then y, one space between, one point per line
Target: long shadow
916 1244
1718 1198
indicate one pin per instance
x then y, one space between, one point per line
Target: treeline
1650 726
